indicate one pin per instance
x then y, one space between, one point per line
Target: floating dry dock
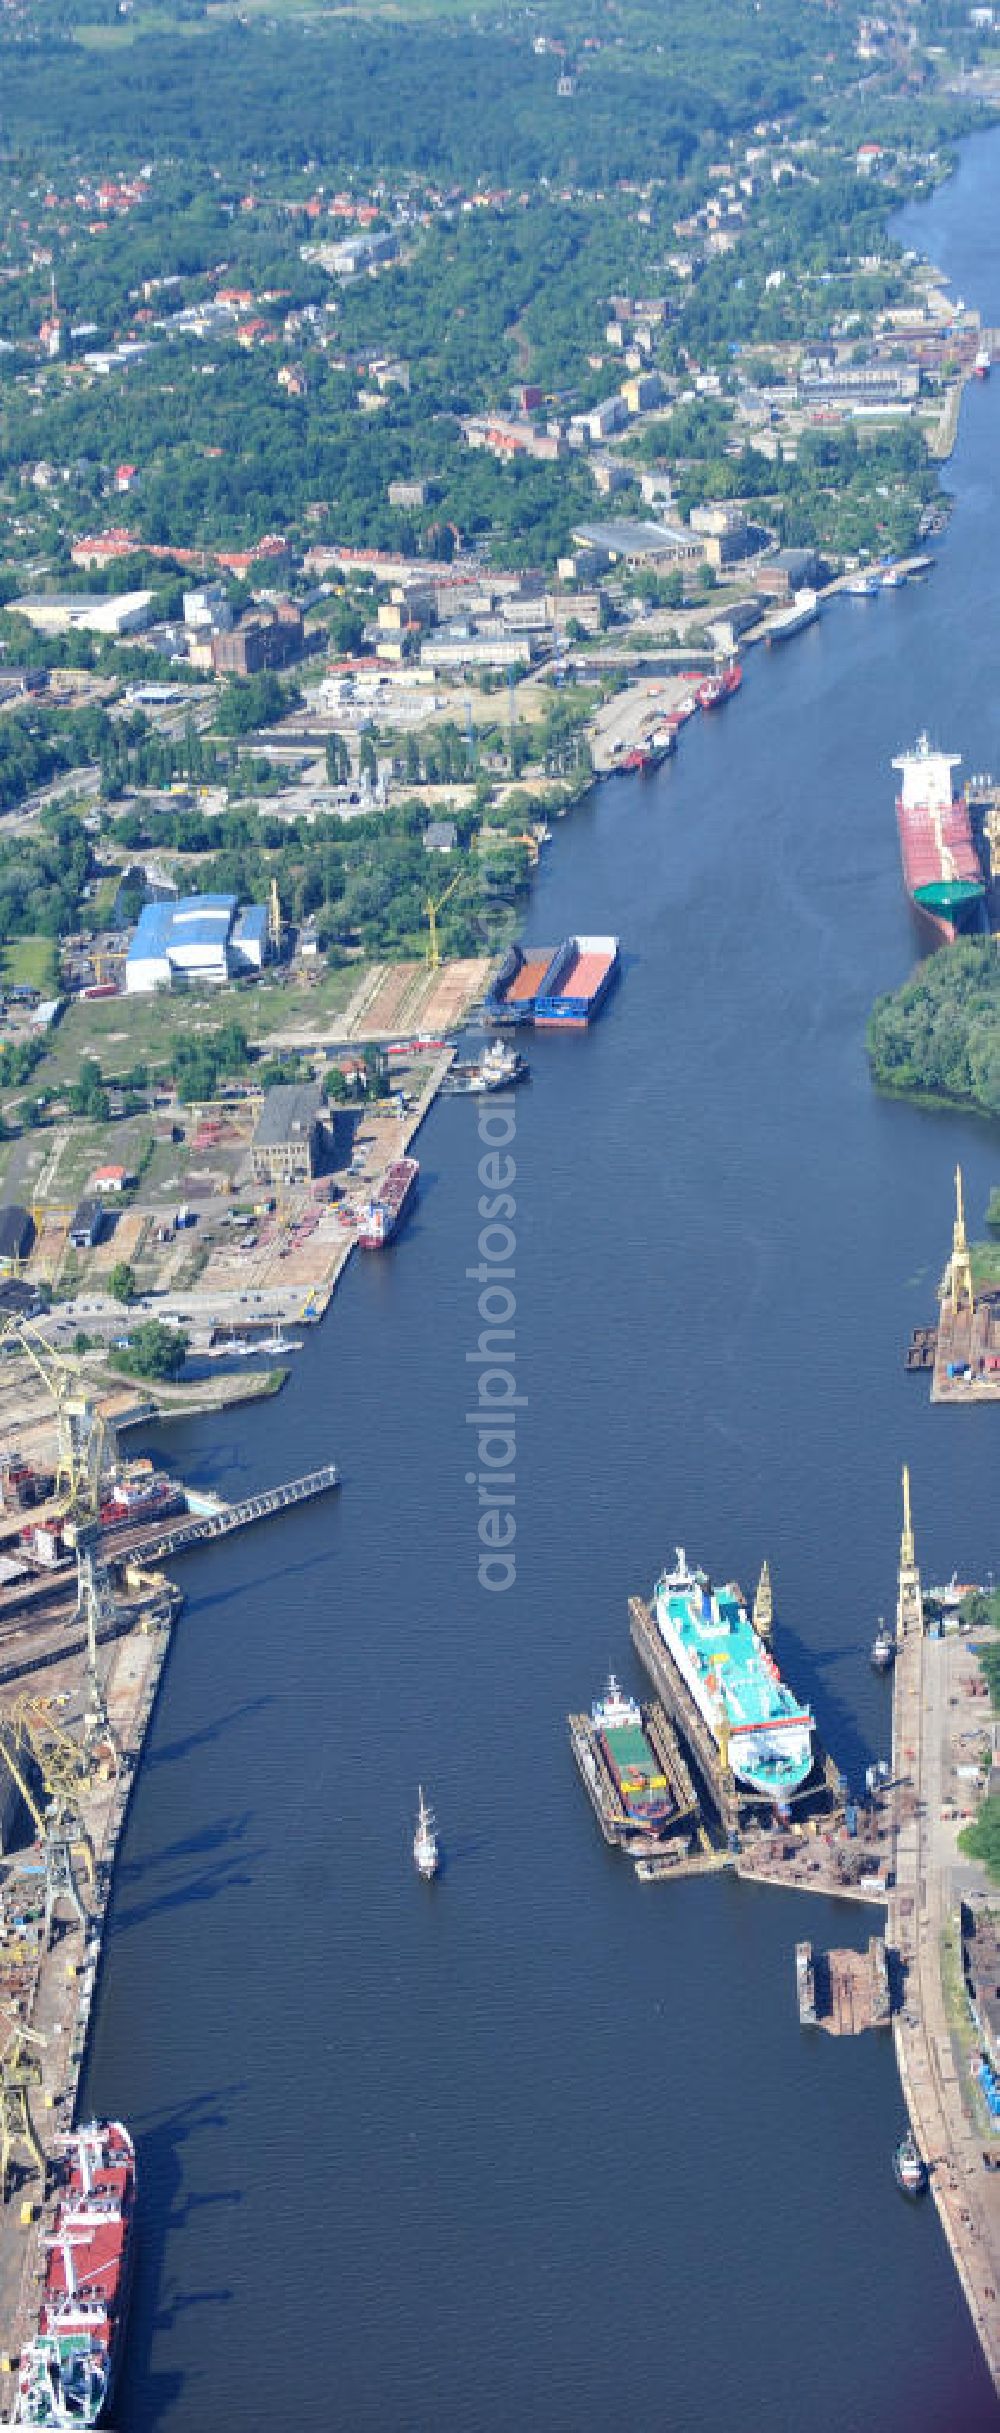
736 1808
602 1783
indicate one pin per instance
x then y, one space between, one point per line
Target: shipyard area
723 1769
86 1617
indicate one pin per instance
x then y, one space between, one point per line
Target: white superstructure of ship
426 1853
761 1730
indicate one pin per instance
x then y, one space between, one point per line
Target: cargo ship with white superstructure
384 1212
67 2370
761 1730
940 864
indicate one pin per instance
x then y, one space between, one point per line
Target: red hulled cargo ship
715 689
940 864
384 1213
67 2371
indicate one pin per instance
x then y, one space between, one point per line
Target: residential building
265 639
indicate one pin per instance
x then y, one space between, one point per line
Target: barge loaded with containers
556 989
384 1212
940 863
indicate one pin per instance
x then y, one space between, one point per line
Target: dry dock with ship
897 1849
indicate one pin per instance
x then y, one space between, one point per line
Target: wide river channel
540 2146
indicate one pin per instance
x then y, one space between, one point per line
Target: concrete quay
50 1993
930 1720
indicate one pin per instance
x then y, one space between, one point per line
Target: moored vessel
500 1068
883 1648
67 2370
632 1763
762 1732
641 759
940 864
803 610
862 586
715 689
909 2166
559 988
384 1212
576 983
805 1984
426 1853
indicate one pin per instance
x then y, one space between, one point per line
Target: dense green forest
939 1035
369 98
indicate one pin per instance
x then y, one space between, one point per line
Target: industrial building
201 938
87 1225
285 1145
17 1233
638 544
124 612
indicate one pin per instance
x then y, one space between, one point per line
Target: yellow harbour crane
432 910
958 1290
63 1765
20 2072
58 1824
85 1439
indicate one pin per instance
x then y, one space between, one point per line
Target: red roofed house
111 1178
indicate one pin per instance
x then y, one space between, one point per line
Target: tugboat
883 1648
909 2166
426 1855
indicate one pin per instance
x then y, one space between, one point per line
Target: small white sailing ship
426 1854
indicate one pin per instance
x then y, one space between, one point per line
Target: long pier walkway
219 1524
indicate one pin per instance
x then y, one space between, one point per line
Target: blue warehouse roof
196 920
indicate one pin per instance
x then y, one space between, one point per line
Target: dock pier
964 2183
51 1959
220 1522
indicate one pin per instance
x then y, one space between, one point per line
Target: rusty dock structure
844 1992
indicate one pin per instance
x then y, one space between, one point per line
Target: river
541 2146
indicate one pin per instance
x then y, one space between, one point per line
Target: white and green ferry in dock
759 1728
